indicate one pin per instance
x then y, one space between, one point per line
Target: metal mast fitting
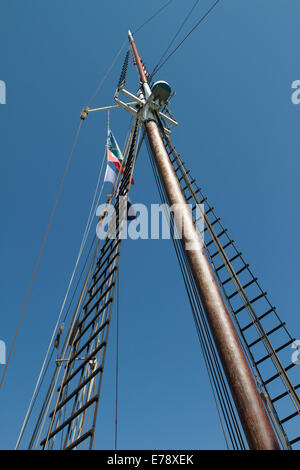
148 99
254 419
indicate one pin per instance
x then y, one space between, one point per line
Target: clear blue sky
239 134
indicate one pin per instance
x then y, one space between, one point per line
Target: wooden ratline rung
103 262
195 206
209 210
211 224
270 332
124 182
96 333
243 288
78 441
105 269
188 186
107 245
284 394
293 441
218 235
290 366
76 390
89 340
224 248
215 247
100 287
99 300
293 415
192 197
83 364
178 168
238 255
288 343
247 304
246 266
183 176
70 419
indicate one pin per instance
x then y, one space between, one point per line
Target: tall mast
254 419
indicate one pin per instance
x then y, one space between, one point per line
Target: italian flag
114 153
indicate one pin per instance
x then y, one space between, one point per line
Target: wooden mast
254 419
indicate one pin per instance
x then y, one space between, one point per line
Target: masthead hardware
149 100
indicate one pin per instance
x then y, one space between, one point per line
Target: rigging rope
70 342
174 37
56 374
107 73
89 222
117 361
82 245
30 409
41 420
42 247
185 38
153 16
217 381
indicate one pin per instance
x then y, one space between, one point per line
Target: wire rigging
152 17
174 37
62 359
186 37
108 71
216 378
82 245
89 222
117 360
42 247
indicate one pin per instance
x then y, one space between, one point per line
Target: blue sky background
238 132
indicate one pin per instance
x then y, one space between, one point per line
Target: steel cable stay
82 245
217 246
59 359
203 17
207 334
57 200
53 349
89 222
263 336
206 356
254 419
54 209
109 69
59 363
173 39
74 409
184 173
117 359
42 247
63 358
216 378
77 286
190 300
71 403
126 146
153 16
